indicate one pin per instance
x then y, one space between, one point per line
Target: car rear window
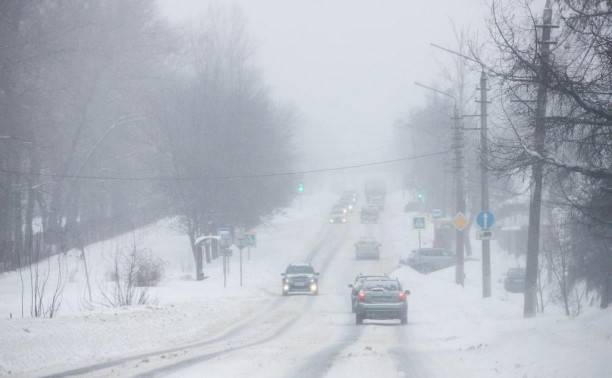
382 285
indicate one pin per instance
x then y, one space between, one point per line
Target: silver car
381 299
426 260
300 278
367 248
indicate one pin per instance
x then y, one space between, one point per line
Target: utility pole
484 174
535 206
484 184
459 192
459 236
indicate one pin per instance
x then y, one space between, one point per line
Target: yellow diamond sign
460 221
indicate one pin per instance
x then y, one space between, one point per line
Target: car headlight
286 287
331 220
313 287
343 220
351 207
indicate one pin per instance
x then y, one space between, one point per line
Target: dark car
367 248
515 280
350 194
356 286
426 260
370 214
347 202
339 208
300 278
381 299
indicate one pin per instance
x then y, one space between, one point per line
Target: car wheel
315 292
284 293
425 269
404 319
358 319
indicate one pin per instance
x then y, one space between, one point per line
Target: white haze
347 66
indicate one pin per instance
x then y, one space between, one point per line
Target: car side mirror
407 292
350 285
317 273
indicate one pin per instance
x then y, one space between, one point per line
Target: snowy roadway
299 335
202 329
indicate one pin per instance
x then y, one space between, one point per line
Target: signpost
460 221
251 240
241 242
225 242
485 219
419 222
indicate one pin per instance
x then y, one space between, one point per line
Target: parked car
369 214
515 280
300 278
426 260
337 216
367 247
381 299
356 286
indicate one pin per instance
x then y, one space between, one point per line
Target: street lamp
458 146
484 174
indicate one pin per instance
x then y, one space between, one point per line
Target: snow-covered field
451 331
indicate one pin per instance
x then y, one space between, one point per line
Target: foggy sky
347 66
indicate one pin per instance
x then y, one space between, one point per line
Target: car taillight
401 296
361 296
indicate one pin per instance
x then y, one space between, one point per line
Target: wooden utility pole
535 206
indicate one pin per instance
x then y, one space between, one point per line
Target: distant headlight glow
286 287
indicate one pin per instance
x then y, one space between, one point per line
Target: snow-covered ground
252 330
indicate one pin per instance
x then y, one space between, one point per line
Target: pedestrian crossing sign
419 222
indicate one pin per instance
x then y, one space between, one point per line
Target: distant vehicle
356 286
339 208
300 278
367 247
515 280
347 202
375 189
369 214
350 194
381 299
412 207
379 202
337 217
426 260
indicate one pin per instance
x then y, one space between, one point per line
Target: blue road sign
251 239
419 223
485 219
221 231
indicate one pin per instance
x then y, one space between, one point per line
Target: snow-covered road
203 329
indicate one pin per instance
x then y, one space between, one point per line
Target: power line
217 178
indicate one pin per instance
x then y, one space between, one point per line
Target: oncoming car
337 217
381 299
300 278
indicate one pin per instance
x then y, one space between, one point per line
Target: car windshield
300 269
371 241
380 285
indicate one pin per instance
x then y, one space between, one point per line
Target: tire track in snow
232 333
183 364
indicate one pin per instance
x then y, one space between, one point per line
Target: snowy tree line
551 138
110 118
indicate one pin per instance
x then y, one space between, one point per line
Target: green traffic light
420 195
300 187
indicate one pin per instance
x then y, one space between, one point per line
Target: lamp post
460 197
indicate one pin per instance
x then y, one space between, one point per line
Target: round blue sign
485 219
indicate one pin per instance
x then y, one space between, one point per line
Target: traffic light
420 195
300 187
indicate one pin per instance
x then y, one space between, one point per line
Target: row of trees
551 120
110 119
